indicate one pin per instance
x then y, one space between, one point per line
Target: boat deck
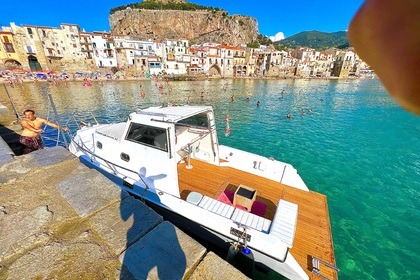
313 230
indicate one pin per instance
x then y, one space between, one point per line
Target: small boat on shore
171 158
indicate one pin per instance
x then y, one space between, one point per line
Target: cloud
279 36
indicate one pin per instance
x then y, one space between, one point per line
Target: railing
314 266
82 120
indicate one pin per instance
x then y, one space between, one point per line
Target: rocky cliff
195 26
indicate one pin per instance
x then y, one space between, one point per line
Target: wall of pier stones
60 219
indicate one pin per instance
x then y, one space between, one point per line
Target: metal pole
57 118
13 105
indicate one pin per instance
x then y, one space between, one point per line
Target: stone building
87 50
104 53
240 68
9 57
29 48
140 58
74 57
43 48
226 60
344 64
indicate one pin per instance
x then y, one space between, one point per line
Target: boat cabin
154 140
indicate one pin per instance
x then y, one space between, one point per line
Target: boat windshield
199 120
155 137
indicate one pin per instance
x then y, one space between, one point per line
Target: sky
286 16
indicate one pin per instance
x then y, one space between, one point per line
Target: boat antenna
13 105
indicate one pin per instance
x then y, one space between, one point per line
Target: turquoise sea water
357 146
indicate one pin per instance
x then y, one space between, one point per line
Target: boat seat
194 198
217 207
283 225
251 220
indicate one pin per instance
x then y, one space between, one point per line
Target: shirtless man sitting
30 136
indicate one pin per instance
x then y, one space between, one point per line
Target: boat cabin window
199 120
154 137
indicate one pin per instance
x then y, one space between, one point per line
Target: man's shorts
35 143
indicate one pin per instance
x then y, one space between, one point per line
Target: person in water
31 134
258 103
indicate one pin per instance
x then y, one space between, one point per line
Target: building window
9 47
44 33
29 48
6 39
29 31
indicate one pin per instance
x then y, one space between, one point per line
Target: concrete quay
61 220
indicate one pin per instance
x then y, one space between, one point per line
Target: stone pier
61 220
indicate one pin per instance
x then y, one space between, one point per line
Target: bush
154 5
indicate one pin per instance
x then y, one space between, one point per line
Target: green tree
157 5
253 45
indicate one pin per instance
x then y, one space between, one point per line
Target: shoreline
18 80
14 78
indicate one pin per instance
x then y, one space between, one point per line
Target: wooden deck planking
313 230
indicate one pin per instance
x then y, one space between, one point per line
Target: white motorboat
170 156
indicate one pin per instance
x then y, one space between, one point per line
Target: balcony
55 56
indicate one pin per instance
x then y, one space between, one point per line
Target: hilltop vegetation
170 5
317 40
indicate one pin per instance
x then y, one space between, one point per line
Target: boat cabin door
154 158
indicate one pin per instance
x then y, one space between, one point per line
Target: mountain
177 19
317 40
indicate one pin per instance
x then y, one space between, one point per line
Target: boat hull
203 234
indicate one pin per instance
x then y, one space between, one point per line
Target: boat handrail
195 130
116 172
199 137
156 114
316 269
82 122
106 135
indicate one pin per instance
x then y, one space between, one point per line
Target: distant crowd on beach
13 78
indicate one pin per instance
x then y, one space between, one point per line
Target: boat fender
232 253
246 262
242 258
